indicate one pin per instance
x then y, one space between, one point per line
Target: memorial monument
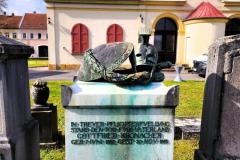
120 113
220 128
45 113
19 139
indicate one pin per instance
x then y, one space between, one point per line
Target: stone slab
105 121
187 128
229 143
219 138
125 146
88 94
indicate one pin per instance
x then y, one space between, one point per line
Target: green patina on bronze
104 59
104 62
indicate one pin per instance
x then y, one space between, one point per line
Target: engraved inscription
120 133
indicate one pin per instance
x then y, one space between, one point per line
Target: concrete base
187 132
104 121
47 119
23 145
5 150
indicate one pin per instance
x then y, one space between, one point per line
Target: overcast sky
19 7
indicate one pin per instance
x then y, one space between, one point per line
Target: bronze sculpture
105 63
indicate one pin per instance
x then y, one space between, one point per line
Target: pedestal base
104 121
47 119
22 145
5 151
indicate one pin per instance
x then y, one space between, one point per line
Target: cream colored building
181 29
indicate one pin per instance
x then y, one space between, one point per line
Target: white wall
199 36
98 17
97 24
35 42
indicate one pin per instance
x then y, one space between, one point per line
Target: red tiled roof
10 22
205 10
34 21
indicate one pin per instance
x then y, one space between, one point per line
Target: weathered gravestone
19 138
104 121
220 129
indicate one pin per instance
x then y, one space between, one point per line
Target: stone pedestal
19 138
47 119
104 121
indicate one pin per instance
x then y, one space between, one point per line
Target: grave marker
220 138
19 138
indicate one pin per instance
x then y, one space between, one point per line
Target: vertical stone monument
130 120
19 138
220 128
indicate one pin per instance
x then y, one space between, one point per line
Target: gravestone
220 128
19 138
104 121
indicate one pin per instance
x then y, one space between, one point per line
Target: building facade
30 29
181 29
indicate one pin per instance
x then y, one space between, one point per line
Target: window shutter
80 41
114 33
119 34
84 39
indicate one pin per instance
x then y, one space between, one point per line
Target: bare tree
3 5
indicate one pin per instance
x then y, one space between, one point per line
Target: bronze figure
105 63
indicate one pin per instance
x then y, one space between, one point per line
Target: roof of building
205 10
34 21
10 22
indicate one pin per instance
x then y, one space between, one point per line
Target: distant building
181 29
30 29
9 26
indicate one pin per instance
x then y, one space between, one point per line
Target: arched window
114 33
79 39
233 27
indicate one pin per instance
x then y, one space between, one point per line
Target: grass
53 153
191 98
37 63
191 94
184 149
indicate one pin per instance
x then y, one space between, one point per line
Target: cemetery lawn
37 63
191 97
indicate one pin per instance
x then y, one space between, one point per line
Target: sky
19 7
